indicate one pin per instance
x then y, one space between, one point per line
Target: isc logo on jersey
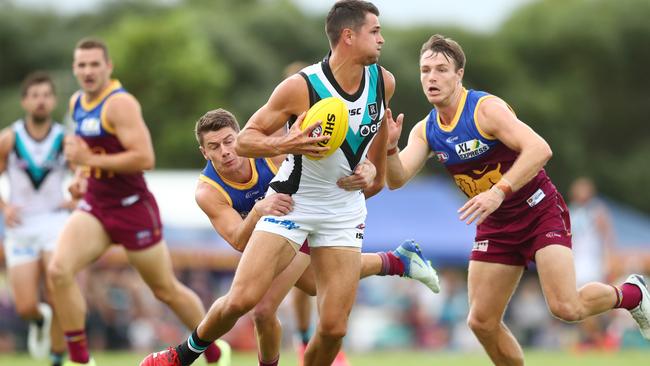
470 149
90 127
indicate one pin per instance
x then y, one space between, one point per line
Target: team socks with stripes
628 296
190 350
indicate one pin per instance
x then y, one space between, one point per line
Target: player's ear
346 36
202 150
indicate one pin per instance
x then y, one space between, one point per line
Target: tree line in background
574 70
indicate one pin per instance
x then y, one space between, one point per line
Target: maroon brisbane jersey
531 218
105 188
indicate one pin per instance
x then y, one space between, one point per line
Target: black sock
304 336
191 349
56 358
39 322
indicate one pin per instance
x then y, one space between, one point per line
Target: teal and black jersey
242 196
315 181
36 169
366 106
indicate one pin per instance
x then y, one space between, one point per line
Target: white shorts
35 234
317 229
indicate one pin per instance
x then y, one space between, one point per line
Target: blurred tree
582 85
174 73
573 70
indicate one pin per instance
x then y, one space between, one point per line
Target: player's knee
238 305
332 328
165 294
565 311
27 310
482 325
263 314
58 275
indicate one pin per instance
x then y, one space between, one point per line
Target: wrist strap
392 151
504 186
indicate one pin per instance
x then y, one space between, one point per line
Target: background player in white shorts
31 155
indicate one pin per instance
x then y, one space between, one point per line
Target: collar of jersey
90 105
327 71
242 186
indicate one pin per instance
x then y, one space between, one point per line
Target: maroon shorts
304 248
516 239
135 224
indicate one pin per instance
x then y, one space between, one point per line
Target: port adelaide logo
373 112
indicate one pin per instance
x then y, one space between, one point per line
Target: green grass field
403 358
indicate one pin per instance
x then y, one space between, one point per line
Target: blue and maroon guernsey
105 188
242 196
476 160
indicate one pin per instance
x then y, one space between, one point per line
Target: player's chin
373 59
40 116
434 99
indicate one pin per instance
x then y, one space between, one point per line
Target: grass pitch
401 358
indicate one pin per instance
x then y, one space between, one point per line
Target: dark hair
214 120
34 78
89 43
347 14
447 46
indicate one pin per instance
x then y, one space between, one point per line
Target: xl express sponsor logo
470 149
91 127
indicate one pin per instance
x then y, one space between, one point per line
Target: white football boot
416 266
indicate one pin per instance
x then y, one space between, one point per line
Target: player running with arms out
331 218
231 193
497 161
31 153
112 148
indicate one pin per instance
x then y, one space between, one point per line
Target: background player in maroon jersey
112 148
498 161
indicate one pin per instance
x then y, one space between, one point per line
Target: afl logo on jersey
441 156
90 127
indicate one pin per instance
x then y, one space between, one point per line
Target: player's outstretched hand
394 128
